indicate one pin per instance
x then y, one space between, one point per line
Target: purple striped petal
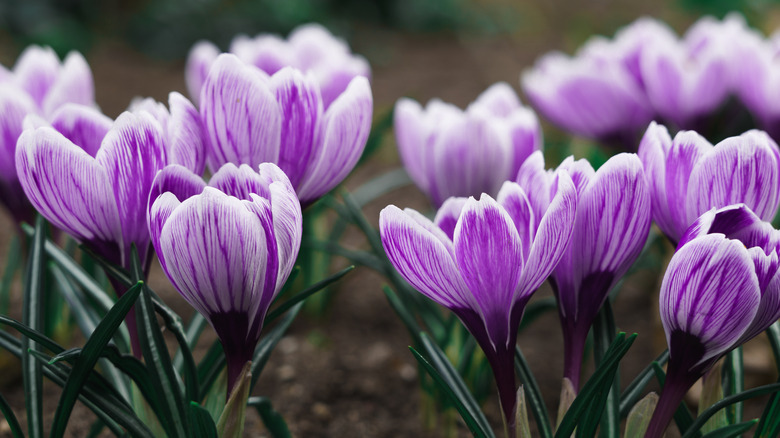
199 61
537 183
489 255
345 129
239 181
424 256
69 188
411 139
551 239
526 136
160 209
36 70
580 171
84 125
132 153
499 99
177 180
185 133
301 107
447 216
14 106
683 156
735 222
516 203
74 84
744 169
768 273
240 115
652 151
710 291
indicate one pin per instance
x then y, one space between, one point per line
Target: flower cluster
611 89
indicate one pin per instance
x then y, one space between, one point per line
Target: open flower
450 152
688 176
610 229
722 288
483 259
251 118
228 247
39 84
309 48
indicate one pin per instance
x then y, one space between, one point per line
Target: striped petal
537 183
683 156
185 134
447 216
239 181
652 152
74 84
240 115
36 70
516 203
84 125
199 61
14 106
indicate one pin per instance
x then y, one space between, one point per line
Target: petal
301 106
744 169
652 151
178 181
489 254
36 70
536 182
408 119
710 291
240 115
516 203
239 182
500 99
580 171
345 129
185 134
132 153
84 125
287 218
664 81
199 61
552 237
14 106
735 222
768 273
215 252
448 214
160 209
68 187
686 153
422 258
74 84
526 135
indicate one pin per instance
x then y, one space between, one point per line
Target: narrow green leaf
639 417
533 394
195 327
231 422
274 422
736 379
10 418
381 185
268 342
728 401
89 357
603 334
210 367
96 429
403 313
174 325
35 335
682 416
732 431
637 386
769 426
522 427
32 316
600 381
476 429
454 382
306 293
201 423
773 334
13 262
362 258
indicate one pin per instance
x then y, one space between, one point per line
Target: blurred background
348 372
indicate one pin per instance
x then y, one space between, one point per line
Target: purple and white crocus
39 84
610 229
688 176
251 118
228 247
310 48
483 259
449 152
721 289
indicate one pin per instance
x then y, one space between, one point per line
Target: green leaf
603 335
210 367
403 312
637 386
96 429
35 335
268 342
13 262
474 426
640 415
682 416
195 327
599 383
32 316
381 185
10 418
736 378
274 422
732 431
172 413
306 293
201 423
728 401
769 426
533 394
89 357
522 426
231 422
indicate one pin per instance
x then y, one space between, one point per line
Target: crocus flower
722 288
610 229
309 48
448 152
758 77
483 259
688 176
251 118
228 247
38 84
